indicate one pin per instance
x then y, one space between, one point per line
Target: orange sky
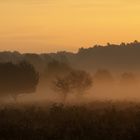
53 25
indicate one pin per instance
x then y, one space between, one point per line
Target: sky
57 25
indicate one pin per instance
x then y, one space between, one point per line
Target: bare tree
62 86
80 81
76 81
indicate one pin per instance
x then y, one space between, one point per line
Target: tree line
23 78
115 57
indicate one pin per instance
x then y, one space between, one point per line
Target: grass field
94 121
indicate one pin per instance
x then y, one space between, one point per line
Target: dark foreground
97 121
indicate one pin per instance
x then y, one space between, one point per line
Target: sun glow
53 25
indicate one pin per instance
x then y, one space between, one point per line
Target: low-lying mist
108 92
102 73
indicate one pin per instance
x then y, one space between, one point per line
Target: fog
104 73
108 92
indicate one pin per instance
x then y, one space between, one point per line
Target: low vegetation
96 121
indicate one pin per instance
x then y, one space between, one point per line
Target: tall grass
95 121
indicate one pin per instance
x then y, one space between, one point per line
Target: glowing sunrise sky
53 25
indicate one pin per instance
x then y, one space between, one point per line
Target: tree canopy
17 78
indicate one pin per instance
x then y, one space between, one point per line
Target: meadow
98 120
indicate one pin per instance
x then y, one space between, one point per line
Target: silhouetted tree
53 69
62 86
80 81
18 78
76 81
57 69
